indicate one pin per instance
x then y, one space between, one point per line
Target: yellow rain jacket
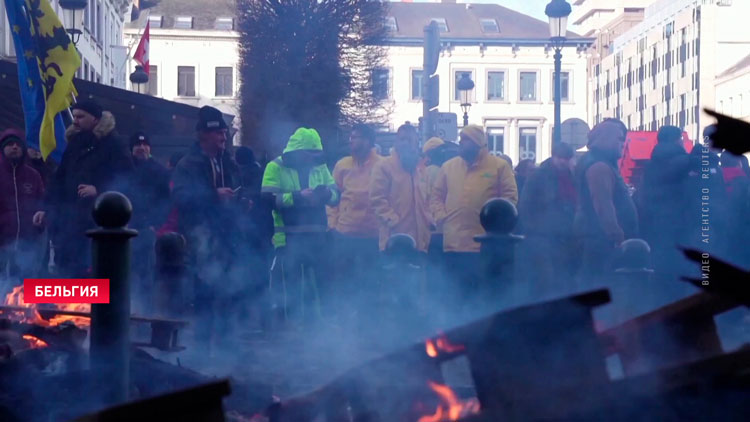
398 203
460 191
354 216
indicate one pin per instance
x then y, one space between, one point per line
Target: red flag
141 53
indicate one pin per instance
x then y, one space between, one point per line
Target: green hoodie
283 180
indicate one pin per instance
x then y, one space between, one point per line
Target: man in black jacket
96 160
546 213
150 198
205 185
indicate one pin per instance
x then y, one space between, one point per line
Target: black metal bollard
634 258
497 253
173 291
110 323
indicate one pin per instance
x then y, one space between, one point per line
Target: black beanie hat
90 107
139 138
210 119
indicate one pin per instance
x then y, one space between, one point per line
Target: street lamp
73 17
465 85
558 12
139 79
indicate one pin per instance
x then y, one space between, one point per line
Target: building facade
194 53
663 71
505 53
103 55
733 91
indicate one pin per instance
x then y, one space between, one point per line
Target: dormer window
226 24
183 22
489 26
441 23
390 23
154 21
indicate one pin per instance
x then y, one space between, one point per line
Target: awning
170 125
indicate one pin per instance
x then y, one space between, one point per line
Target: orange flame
451 408
31 313
443 345
431 350
36 343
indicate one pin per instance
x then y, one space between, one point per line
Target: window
564 86
457 75
496 139
153 80
183 22
224 82
527 144
528 86
99 24
85 69
495 86
381 79
186 81
390 23
417 80
441 23
489 26
155 21
226 24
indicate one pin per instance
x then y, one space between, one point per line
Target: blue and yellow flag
47 62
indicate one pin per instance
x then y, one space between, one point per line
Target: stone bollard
110 322
497 254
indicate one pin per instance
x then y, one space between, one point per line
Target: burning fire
31 312
451 408
441 344
35 342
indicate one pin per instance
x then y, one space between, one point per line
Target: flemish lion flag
47 63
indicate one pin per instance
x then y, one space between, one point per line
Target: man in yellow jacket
352 223
462 187
395 193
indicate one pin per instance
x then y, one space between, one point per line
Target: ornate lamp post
73 17
465 85
558 12
139 80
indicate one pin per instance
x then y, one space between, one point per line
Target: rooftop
739 66
204 13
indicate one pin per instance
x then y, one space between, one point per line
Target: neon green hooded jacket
282 178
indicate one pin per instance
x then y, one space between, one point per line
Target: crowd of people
313 240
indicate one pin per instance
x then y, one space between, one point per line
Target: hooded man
96 160
464 184
303 186
395 193
606 215
21 192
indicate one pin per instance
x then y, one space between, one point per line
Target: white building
194 53
663 70
733 91
103 56
506 54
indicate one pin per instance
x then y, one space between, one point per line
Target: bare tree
307 63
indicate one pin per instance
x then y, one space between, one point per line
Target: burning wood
20 311
442 344
36 343
451 408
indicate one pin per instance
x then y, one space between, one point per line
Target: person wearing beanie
464 184
21 193
395 193
95 160
546 212
303 186
150 199
606 215
352 222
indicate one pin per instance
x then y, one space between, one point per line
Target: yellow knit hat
431 144
476 134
